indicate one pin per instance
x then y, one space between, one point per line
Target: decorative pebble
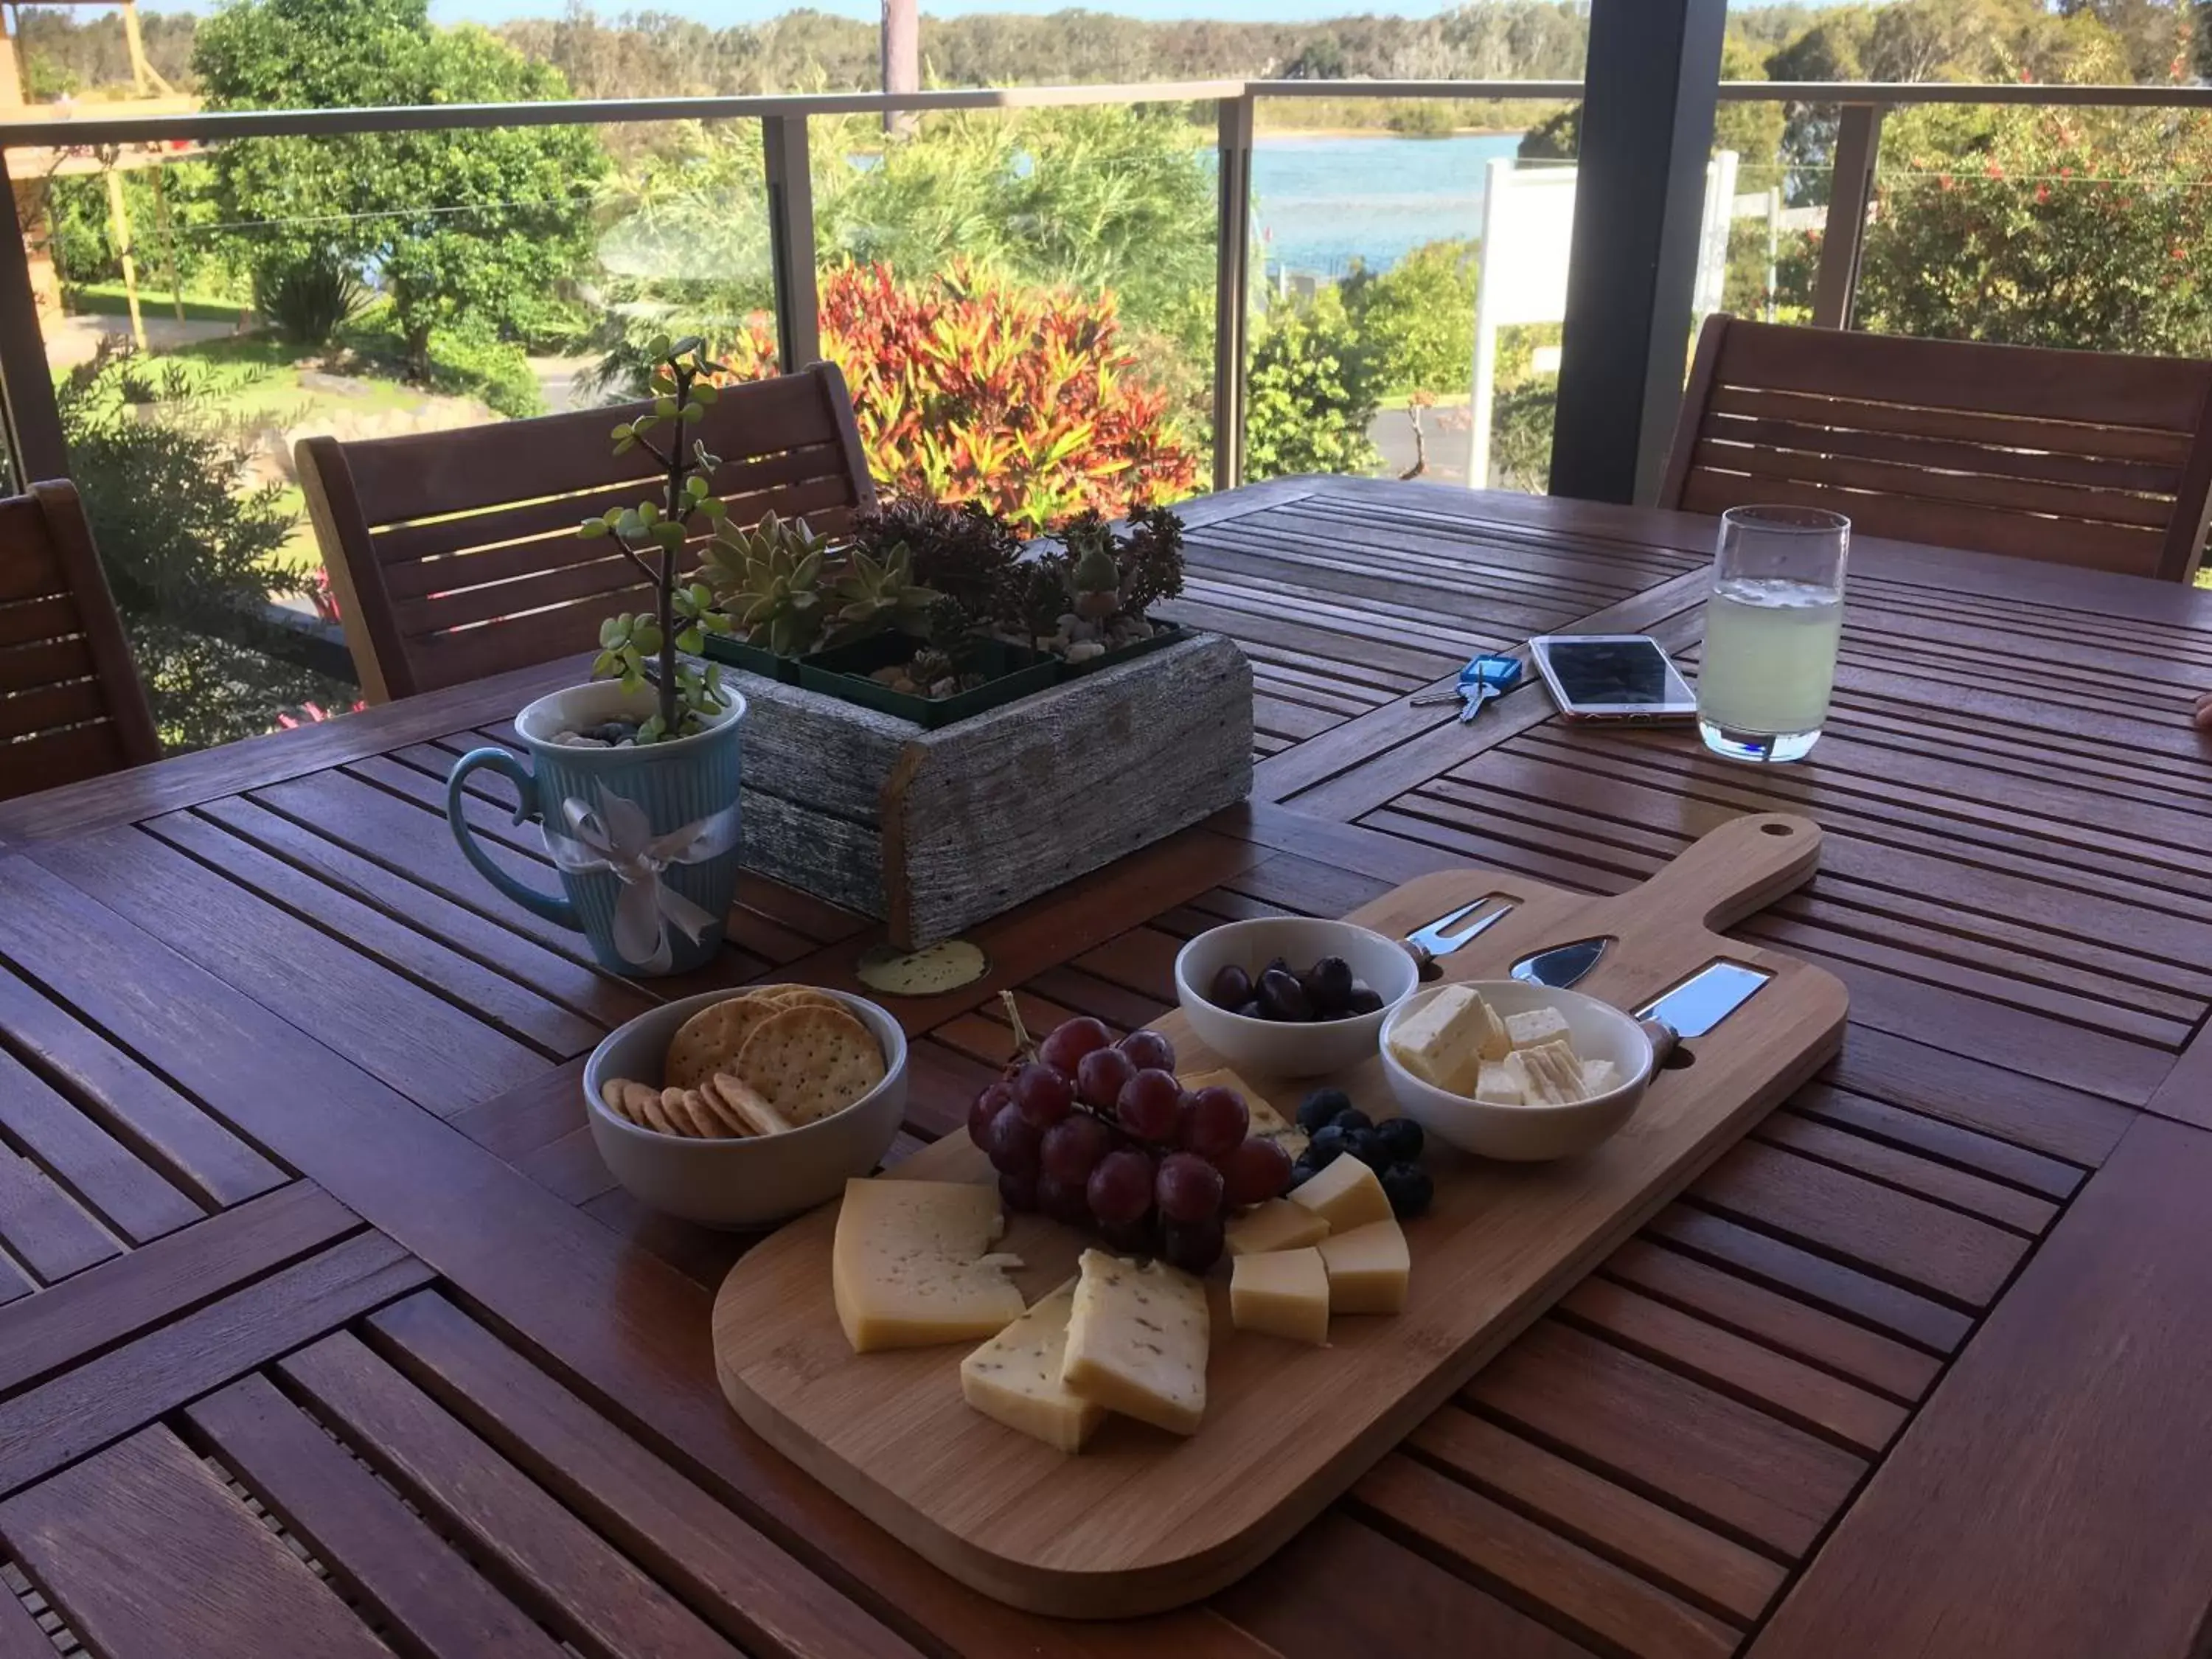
1085 651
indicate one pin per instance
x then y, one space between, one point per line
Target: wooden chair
2075 457
70 704
454 555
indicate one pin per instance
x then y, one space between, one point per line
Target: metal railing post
791 240
35 444
1858 146
1232 288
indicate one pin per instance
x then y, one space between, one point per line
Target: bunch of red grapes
1099 1133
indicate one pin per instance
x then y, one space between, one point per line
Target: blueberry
1401 1137
1321 1107
1329 1143
1408 1189
1366 1145
1300 1174
1352 1118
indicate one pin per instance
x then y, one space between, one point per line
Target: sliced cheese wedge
1550 1074
1282 1293
1278 1224
1369 1269
1501 1084
1345 1195
907 1266
1137 1342
1015 1377
1447 1038
1538 1026
1599 1077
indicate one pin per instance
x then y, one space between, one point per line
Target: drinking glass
1772 625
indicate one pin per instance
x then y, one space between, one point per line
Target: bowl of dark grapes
1292 996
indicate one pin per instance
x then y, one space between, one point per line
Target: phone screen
1633 672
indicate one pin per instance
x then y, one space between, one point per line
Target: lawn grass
109 300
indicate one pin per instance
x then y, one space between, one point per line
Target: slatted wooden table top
324 1330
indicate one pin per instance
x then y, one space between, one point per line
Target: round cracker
806 996
631 1107
808 1061
730 1125
714 1037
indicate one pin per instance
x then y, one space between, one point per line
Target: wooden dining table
325 1331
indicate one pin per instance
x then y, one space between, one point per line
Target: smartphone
1612 677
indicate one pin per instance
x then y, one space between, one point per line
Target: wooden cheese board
1141 1521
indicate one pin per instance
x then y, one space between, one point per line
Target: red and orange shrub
968 386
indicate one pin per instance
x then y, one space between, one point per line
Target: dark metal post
27 385
1647 132
1858 146
1232 289
791 240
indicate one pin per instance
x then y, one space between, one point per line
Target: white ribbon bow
618 836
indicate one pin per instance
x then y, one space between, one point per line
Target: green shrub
475 365
187 552
309 299
1311 392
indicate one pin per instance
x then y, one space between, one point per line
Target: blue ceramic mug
646 839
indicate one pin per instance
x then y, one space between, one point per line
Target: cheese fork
1436 939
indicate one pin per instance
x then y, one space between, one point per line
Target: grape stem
1023 1044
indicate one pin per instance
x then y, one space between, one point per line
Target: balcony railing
34 431
35 427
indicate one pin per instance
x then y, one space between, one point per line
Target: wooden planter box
934 831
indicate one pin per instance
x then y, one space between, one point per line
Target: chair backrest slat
70 704
2073 457
455 554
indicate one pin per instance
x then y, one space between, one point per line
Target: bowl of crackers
742 1110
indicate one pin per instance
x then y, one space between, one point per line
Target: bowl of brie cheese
1508 1070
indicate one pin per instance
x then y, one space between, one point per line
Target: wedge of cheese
1345 1195
1538 1026
1282 1293
1136 1342
1278 1224
1444 1041
1015 1377
910 1267
1369 1269
1501 1084
1267 1123
1599 1077
1550 1073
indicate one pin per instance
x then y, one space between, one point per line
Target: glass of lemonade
1771 626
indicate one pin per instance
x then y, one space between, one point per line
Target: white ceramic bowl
740 1183
1529 1134
1275 1049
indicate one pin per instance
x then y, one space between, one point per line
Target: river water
1320 201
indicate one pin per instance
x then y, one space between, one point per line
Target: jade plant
643 649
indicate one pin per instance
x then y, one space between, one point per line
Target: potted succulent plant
634 777
1087 601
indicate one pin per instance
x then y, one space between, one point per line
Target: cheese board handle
1730 873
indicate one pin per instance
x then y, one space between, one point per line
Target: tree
2061 226
460 229
1417 319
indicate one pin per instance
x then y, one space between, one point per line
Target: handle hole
1680 1058
1776 830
